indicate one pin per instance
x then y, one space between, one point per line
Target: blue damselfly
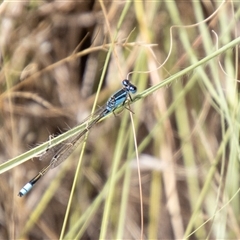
62 151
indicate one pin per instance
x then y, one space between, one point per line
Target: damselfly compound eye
132 88
125 83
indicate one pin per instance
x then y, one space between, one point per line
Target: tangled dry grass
52 57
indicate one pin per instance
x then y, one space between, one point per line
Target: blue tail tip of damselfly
25 189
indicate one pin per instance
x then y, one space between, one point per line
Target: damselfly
62 151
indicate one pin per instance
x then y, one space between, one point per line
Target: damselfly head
130 87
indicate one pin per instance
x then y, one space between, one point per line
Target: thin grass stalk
182 118
93 109
218 225
105 66
232 180
155 205
73 188
141 79
124 200
116 160
187 149
206 187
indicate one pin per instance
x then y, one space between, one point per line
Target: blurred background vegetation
53 55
